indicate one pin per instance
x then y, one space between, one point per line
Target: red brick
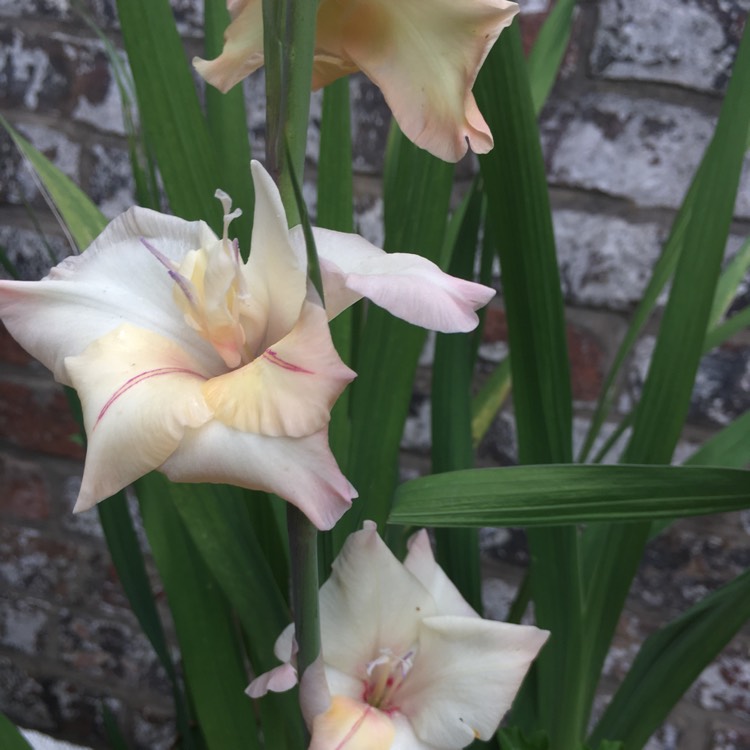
23 491
10 351
37 417
584 350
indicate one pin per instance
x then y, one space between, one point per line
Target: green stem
303 547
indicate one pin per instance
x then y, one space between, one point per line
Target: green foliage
10 737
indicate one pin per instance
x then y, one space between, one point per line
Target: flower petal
351 725
409 286
243 47
369 603
465 677
424 55
287 391
139 393
301 470
276 272
421 562
277 680
116 280
405 738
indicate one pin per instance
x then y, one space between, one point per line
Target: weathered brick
647 41
25 625
725 684
32 252
110 182
36 416
109 649
643 150
605 261
729 738
11 352
24 494
22 697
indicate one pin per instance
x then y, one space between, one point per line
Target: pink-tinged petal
116 280
276 272
243 47
465 677
369 603
408 286
139 393
290 389
303 471
278 680
421 562
351 725
424 55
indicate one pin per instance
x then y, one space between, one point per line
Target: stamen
183 283
229 215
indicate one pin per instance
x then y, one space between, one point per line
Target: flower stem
303 547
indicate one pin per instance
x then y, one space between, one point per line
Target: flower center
385 676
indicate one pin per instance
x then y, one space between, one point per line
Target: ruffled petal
287 391
139 393
303 471
408 286
116 280
405 739
243 47
465 677
421 563
276 272
277 680
424 55
369 603
351 725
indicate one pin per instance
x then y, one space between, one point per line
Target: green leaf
730 447
227 125
729 280
10 737
612 553
490 399
727 329
513 738
206 631
416 197
548 51
519 212
568 494
169 109
669 661
457 549
84 220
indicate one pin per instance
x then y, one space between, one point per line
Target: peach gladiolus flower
424 55
407 663
189 361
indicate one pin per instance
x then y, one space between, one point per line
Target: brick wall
623 132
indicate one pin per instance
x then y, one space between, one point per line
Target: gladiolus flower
407 662
189 361
424 55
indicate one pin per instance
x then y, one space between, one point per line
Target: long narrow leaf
519 210
212 658
668 663
660 414
550 495
10 737
169 109
729 280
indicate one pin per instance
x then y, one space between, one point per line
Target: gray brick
656 41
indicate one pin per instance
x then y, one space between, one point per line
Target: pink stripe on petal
355 728
274 358
135 380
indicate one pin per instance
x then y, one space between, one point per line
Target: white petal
409 286
303 471
370 602
421 562
465 677
276 272
290 389
116 280
405 738
139 392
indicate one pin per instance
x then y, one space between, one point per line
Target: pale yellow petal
290 389
424 55
243 47
140 392
351 725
